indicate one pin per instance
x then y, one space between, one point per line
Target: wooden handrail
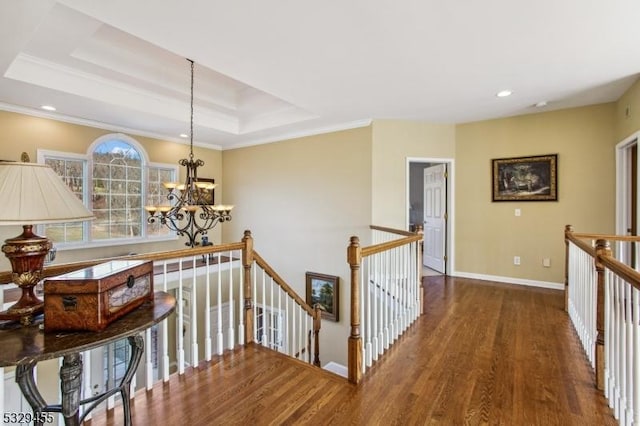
629 274
379 248
608 237
278 279
392 230
582 245
53 270
313 312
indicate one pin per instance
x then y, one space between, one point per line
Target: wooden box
94 297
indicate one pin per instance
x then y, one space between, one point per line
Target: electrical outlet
546 262
518 212
516 260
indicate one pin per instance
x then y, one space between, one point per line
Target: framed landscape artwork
525 178
324 290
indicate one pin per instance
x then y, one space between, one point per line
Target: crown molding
303 133
100 125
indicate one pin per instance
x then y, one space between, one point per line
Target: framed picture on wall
525 178
206 193
324 290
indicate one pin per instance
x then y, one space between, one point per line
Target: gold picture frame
533 178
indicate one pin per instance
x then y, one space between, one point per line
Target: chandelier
188 212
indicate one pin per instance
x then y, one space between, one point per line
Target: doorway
627 197
430 189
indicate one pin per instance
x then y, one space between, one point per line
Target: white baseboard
510 280
336 368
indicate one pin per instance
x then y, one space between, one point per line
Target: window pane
71 172
157 195
117 190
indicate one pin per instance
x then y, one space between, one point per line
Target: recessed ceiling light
184 135
48 107
541 104
504 93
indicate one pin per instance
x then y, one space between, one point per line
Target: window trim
87 159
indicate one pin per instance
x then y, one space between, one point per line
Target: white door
435 196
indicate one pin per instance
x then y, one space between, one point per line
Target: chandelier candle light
188 213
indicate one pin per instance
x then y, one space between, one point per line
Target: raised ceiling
273 70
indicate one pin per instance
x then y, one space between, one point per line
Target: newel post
420 231
568 229
602 249
317 321
354 257
247 261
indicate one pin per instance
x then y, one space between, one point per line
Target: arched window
115 180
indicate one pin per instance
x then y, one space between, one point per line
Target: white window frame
43 154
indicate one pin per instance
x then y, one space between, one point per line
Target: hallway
483 353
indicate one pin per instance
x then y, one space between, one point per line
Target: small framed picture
525 178
206 194
324 290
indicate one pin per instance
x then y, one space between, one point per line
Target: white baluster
194 315
264 309
287 325
147 360
635 380
241 339
86 378
367 326
373 261
208 341
380 290
279 345
164 326
180 321
293 329
255 298
270 322
301 336
628 354
231 331
608 330
219 336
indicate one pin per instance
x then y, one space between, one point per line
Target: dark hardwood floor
483 353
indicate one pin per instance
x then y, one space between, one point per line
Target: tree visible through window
117 191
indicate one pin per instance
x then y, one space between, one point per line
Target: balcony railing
227 295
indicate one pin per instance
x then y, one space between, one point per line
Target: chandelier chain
191 121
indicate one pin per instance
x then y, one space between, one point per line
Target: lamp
32 194
188 212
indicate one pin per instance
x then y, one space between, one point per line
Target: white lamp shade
33 194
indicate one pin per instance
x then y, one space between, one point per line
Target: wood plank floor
483 353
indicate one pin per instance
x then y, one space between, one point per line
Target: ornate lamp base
26 253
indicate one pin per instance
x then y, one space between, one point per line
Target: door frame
622 188
450 227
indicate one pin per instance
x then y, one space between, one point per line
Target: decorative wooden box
92 298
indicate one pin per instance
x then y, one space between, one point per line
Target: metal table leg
27 384
137 348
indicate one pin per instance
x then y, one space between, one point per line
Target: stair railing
227 295
603 301
386 294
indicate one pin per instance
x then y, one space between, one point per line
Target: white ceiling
269 70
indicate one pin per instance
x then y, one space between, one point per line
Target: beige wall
488 235
302 199
393 142
628 124
26 133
